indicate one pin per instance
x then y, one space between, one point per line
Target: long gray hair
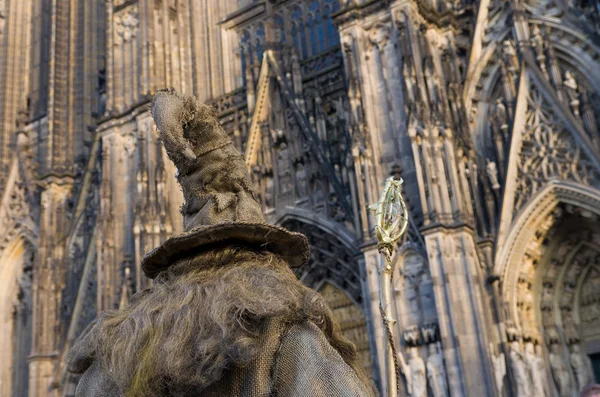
201 316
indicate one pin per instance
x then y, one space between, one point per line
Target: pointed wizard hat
220 206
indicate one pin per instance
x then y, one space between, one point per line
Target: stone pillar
48 283
15 43
455 271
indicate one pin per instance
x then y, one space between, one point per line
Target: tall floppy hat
220 206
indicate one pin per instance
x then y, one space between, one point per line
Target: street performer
225 315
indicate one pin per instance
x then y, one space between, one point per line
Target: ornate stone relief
499 367
415 373
330 260
548 151
412 336
16 210
519 370
436 371
379 35
560 371
571 86
126 24
588 13
581 367
414 265
590 301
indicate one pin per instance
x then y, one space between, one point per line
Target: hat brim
292 246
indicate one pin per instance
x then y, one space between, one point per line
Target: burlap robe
295 360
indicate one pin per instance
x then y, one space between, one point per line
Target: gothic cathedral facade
487 109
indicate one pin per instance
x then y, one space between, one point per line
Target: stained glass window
279 26
333 37
298 32
260 39
315 21
245 53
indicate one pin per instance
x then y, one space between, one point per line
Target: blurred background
487 109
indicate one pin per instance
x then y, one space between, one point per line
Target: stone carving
416 374
519 370
414 265
581 367
283 170
560 371
301 181
379 35
548 151
430 333
499 366
492 172
500 115
590 300
436 372
547 298
509 54
537 371
412 336
570 328
126 24
572 90
413 84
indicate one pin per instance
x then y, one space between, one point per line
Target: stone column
454 269
378 40
48 283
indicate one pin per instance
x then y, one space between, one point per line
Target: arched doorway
551 291
334 272
566 288
16 266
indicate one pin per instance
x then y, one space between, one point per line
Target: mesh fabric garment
293 361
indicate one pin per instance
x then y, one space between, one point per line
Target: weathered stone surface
487 109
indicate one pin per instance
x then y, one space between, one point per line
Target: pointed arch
535 218
333 252
334 271
16 267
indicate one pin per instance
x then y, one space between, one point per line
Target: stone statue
520 372
500 114
560 371
580 367
436 373
572 90
499 366
416 375
510 55
492 172
301 181
537 371
283 169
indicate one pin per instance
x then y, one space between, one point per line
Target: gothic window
280 27
245 53
315 26
260 39
308 27
298 32
333 37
